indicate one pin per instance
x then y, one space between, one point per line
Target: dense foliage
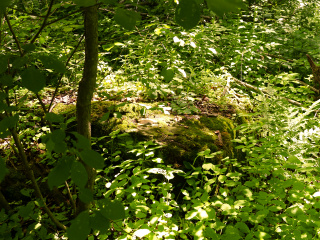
253 59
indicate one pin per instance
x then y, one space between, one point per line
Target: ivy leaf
79 174
33 79
85 3
99 222
80 228
187 14
92 158
126 18
223 6
52 62
3 169
60 173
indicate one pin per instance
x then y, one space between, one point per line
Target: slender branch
70 14
43 23
31 176
60 78
13 34
70 196
307 85
256 89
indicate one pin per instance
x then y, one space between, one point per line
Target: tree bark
87 86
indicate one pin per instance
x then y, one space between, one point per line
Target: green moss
181 141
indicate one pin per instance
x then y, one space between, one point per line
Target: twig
256 89
43 23
13 34
60 78
70 196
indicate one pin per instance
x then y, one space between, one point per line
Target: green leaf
99 222
105 116
109 1
57 137
3 169
6 124
80 228
86 195
208 166
293 159
6 80
242 227
79 174
52 62
82 142
85 3
112 210
60 173
19 62
25 211
126 18
33 79
187 14
221 7
3 63
168 74
3 5
29 47
54 118
92 158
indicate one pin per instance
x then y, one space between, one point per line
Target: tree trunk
87 86
316 74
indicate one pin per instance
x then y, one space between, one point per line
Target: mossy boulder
181 137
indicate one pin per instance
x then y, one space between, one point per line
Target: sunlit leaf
33 79
79 174
80 228
221 7
187 14
126 18
141 233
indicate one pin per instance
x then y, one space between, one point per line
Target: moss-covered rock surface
182 137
